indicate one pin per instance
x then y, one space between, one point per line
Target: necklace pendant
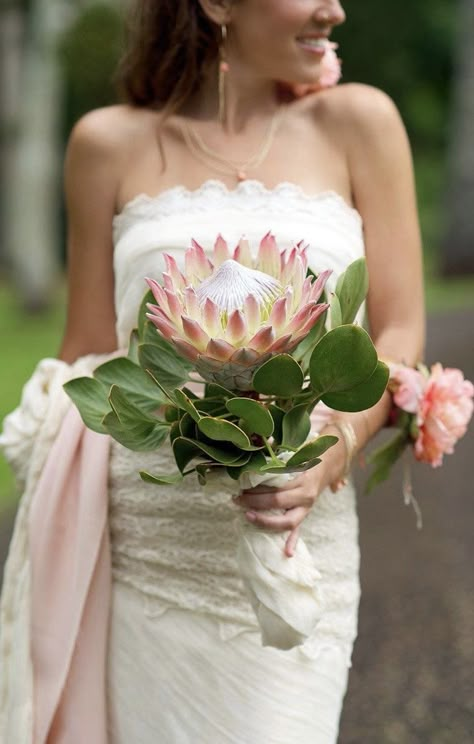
241 175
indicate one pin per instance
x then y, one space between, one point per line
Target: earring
223 70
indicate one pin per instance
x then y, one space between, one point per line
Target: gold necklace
227 166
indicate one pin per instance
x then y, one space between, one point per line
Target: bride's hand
296 497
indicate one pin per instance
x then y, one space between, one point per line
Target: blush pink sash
70 597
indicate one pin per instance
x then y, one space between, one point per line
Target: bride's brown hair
170 45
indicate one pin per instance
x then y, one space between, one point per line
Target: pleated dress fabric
185 658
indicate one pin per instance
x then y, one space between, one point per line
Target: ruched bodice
177 545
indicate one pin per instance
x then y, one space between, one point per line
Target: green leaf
138 386
296 426
213 390
161 480
277 416
133 346
281 376
131 426
336 312
163 361
352 288
363 396
383 458
142 319
91 399
175 431
295 468
187 426
342 359
224 431
256 461
186 404
185 450
258 419
312 450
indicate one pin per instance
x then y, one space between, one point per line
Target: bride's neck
247 99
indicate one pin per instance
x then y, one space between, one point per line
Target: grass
25 340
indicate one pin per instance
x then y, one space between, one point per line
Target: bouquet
431 411
228 360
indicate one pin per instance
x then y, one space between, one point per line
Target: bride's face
278 39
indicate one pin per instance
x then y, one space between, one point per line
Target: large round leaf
296 426
224 431
281 376
312 450
255 415
342 359
363 396
185 450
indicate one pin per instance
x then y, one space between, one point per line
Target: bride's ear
217 11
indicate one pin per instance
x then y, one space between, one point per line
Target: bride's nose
330 12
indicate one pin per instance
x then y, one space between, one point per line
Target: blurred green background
59 61
411 681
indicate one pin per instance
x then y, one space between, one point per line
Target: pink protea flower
442 402
231 312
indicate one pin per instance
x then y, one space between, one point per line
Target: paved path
412 680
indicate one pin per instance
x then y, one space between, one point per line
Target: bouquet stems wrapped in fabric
229 358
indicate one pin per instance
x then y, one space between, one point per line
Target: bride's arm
381 172
92 166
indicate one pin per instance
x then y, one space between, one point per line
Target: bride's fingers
281 522
280 499
291 542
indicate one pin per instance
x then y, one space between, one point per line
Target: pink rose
445 409
330 74
410 384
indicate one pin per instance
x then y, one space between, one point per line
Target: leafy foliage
143 399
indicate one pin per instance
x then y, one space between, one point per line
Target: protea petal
175 307
202 266
310 321
187 350
242 253
236 328
303 314
211 318
191 302
252 314
281 344
263 339
221 251
195 333
162 325
297 280
319 284
219 349
268 259
278 314
177 278
245 356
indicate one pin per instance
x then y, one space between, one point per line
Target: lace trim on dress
247 196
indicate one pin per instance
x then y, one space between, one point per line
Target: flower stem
273 457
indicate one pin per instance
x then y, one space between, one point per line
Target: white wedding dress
186 663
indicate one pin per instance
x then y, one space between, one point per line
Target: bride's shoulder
357 109
110 130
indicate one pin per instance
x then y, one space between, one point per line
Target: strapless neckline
248 187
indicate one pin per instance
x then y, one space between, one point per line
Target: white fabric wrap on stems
284 592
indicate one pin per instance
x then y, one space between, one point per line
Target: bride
215 137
